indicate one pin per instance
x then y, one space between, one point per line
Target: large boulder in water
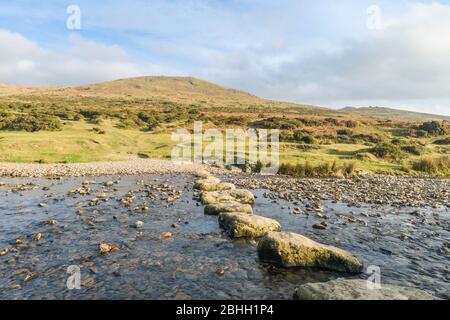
231 206
238 195
357 290
243 225
287 249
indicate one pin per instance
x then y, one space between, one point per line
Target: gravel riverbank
125 168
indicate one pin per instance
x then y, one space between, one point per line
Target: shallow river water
198 261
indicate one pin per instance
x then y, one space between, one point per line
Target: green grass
78 143
133 118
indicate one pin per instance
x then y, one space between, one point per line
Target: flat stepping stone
217 187
232 206
243 225
288 250
208 180
238 195
357 290
212 184
203 174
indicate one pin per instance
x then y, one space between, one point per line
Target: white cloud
406 64
23 61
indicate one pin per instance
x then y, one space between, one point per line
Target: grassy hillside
393 114
157 90
135 117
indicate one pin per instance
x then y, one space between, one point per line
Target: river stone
203 174
288 249
238 195
243 225
357 290
209 180
217 187
212 184
231 206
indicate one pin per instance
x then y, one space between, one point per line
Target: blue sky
318 52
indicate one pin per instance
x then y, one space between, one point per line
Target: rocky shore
319 228
123 168
292 250
377 190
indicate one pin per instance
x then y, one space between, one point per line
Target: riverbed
180 253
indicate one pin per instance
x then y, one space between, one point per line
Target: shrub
442 142
30 123
345 132
302 136
367 138
349 168
433 128
351 124
327 169
413 149
365 156
433 165
387 151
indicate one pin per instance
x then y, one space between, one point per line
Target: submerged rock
293 250
243 225
357 290
238 195
232 206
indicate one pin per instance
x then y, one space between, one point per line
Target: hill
180 90
393 114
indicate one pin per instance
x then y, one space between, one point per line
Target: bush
434 128
351 124
30 123
365 156
327 169
345 132
442 142
387 151
433 165
301 136
413 149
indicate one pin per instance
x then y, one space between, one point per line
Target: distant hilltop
393 114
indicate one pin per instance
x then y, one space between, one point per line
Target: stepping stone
288 249
217 187
209 180
357 290
238 195
232 206
243 225
203 174
212 184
